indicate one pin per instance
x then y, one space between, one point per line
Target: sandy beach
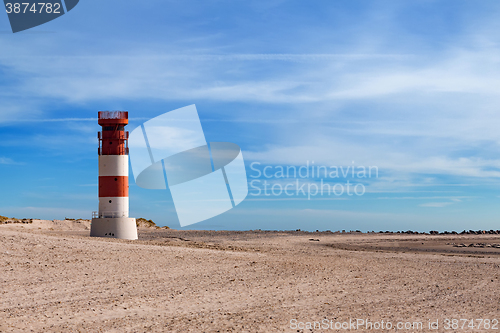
55 278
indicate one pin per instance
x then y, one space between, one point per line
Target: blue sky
412 88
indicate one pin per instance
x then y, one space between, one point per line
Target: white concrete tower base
114 227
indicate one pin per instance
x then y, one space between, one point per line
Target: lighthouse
112 220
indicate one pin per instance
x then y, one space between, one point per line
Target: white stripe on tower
113 165
114 206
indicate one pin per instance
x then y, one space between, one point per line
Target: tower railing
113 115
100 215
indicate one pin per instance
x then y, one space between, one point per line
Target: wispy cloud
453 198
6 160
55 120
436 204
307 77
44 212
330 153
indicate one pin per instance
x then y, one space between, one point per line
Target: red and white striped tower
112 220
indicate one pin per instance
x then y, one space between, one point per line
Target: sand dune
55 278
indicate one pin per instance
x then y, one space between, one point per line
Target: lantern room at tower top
113 140
113 117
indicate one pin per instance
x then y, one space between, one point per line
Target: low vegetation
7 220
142 222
